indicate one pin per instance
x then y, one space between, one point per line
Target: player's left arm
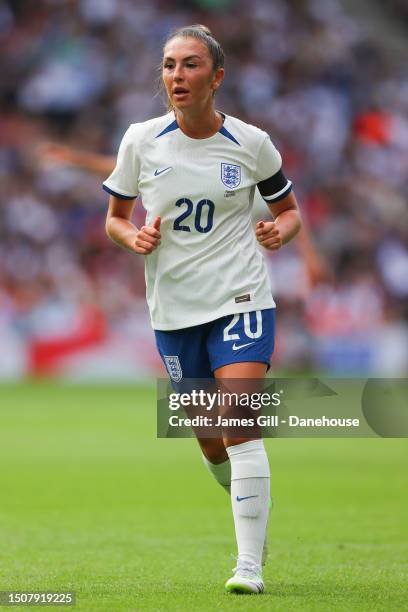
285 225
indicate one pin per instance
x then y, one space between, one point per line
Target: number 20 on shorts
247 327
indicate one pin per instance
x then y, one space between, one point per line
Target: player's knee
233 441
214 450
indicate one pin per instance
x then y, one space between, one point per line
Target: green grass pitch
91 501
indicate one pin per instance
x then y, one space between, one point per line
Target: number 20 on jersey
203 214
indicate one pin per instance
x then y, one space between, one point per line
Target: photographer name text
262 421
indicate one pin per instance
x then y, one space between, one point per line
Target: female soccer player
316 267
207 286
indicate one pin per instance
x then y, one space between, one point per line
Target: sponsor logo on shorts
236 348
173 367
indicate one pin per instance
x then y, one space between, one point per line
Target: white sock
221 472
250 478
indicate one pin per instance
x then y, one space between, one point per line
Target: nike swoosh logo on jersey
247 497
236 348
157 172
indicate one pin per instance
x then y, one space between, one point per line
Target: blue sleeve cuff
116 194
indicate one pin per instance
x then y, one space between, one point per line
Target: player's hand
148 238
268 235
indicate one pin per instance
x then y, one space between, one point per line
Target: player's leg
184 354
215 456
185 357
251 337
217 462
250 493
220 470
242 338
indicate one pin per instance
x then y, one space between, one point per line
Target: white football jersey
208 264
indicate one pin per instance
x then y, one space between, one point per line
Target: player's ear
218 77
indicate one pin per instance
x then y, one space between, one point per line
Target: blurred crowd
399 8
333 98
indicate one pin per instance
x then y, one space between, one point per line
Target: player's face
188 73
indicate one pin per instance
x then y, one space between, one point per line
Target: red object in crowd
46 354
373 127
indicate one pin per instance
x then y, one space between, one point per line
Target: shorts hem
221 365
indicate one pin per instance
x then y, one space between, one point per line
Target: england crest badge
173 367
230 175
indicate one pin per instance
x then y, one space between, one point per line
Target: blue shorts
195 352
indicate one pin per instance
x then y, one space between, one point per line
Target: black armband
275 188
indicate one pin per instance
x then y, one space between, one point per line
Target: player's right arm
123 232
